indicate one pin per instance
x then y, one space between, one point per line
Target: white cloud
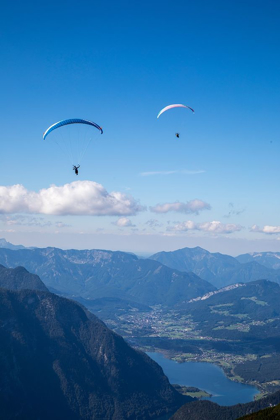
210 227
218 227
76 198
193 206
123 222
270 230
184 171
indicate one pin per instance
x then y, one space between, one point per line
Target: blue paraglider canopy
70 121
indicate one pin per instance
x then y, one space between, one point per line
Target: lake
207 377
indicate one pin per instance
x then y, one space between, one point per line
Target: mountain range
93 274
219 269
268 259
162 279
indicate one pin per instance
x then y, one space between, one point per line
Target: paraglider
75 168
73 141
173 106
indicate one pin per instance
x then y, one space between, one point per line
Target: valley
188 335
160 309
179 339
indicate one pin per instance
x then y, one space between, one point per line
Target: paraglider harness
75 168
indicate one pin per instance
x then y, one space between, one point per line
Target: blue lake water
207 377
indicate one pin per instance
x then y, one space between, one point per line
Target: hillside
249 311
59 361
271 413
207 410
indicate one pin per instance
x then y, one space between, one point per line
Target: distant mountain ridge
219 269
8 245
268 259
93 274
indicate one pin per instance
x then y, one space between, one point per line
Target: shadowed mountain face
19 278
59 361
96 274
207 410
219 269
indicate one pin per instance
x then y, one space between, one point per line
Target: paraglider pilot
177 135
75 168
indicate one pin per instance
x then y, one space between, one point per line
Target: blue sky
118 64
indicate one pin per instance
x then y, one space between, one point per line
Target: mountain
93 274
8 245
241 312
19 278
207 410
59 361
219 269
268 259
203 263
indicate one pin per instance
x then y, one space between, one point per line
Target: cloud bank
193 206
210 227
76 198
